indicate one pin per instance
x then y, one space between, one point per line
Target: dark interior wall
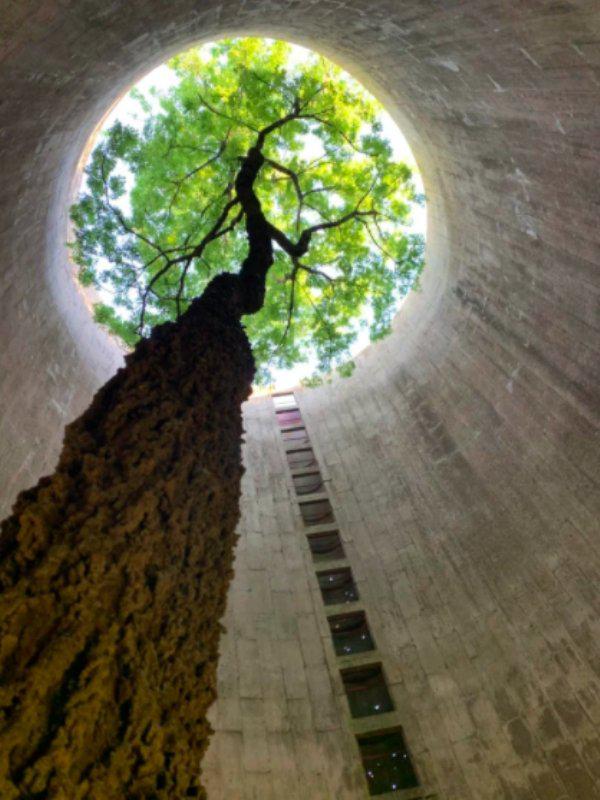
475 424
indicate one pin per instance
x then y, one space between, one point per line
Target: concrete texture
461 458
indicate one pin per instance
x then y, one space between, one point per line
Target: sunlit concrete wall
462 456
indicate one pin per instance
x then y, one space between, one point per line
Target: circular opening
113 243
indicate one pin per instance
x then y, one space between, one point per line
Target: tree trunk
114 572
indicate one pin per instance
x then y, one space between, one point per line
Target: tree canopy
159 215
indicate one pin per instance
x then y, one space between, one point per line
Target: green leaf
154 190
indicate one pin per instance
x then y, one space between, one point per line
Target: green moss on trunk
114 573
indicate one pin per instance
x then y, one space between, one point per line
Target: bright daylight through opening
162 173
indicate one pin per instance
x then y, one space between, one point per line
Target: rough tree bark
114 570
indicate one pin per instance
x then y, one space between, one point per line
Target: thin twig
179 183
222 114
317 272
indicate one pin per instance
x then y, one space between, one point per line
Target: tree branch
222 114
179 183
377 244
296 182
119 216
189 259
317 272
214 233
291 303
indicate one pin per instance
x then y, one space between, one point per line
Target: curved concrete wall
462 456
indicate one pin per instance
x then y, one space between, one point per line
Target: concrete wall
462 456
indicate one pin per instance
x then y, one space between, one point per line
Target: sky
127 110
